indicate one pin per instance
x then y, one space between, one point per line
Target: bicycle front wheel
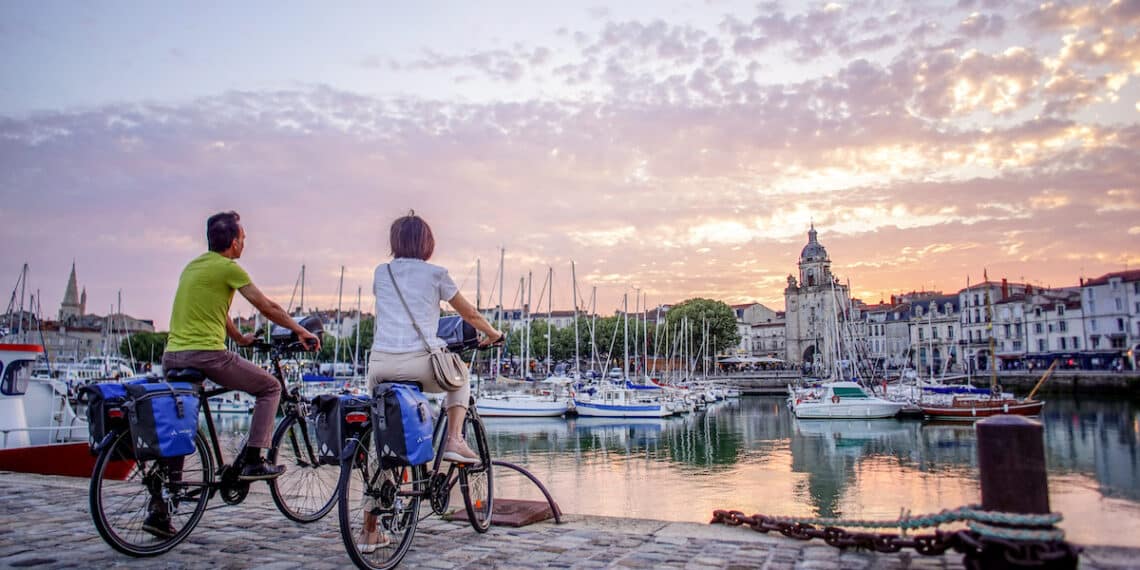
145 508
477 482
378 507
306 491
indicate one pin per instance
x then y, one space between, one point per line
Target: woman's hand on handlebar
492 341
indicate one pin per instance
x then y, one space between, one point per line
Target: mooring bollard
1011 465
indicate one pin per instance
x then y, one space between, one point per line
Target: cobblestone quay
44 523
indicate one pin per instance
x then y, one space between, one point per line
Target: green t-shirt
202 303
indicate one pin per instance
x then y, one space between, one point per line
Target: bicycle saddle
185 375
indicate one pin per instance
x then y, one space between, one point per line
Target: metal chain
1020 547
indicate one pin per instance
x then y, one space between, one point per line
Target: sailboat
970 407
839 398
541 402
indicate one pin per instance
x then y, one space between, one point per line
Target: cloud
680 152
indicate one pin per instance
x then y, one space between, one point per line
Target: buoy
835 399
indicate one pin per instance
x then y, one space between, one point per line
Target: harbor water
752 455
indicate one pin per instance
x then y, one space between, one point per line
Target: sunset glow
683 150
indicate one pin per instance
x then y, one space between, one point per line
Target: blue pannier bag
401 425
338 418
105 410
163 418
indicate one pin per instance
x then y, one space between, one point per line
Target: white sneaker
371 542
457 451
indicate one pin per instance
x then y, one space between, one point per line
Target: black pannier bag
401 425
457 333
105 410
163 418
338 418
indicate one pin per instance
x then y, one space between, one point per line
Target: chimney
1004 288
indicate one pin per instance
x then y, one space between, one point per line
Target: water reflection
753 455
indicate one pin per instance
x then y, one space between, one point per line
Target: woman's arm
472 316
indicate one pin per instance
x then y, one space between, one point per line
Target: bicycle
384 501
123 490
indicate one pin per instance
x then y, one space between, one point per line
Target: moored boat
41 431
842 400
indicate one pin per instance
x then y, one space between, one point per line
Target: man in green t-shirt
200 323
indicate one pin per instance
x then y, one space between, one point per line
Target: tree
699 313
144 346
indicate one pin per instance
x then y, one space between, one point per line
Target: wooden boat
973 407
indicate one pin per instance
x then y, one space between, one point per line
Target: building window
920 336
1063 343
1060 309
1040 345
1017 329
976 303
1120 325
1119 304
1064 326
1092 324
1076 343
1006 327
933 332
1095 341
1037 328
950 331
1037 312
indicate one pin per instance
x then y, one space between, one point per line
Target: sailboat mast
478 286
574 294
301 305
359 321
525 349
625 336
549 317
645 330
499 319
339 322
593 326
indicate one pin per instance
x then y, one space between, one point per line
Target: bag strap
427 346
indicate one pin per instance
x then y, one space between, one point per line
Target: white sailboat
842 400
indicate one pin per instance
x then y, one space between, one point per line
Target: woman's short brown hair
411 236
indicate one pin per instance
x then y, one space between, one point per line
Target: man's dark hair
222 230
411 236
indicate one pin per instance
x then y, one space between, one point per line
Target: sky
676 149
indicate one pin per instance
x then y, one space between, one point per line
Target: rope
978 520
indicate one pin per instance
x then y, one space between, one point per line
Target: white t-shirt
424 285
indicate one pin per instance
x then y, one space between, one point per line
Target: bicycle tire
477 482
367 492
306 491
119 507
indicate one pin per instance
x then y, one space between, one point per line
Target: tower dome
813 251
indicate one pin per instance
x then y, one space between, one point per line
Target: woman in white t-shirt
398 354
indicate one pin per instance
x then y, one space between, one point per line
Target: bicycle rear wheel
306 491
378 507
145 508
477 482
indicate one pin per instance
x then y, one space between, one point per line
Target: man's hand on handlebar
247 339
309 340
488 341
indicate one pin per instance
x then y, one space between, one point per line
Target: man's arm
275 313
235 334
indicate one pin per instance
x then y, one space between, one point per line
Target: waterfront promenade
44 523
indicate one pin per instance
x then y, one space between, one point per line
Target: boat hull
842 411
67 459
983 409
591 409
519 408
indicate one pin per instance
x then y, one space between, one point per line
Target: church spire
72 305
